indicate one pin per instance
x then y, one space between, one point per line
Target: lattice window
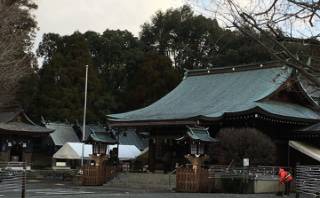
194 149
201 149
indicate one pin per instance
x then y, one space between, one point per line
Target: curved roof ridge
231 69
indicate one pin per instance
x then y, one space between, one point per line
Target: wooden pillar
151 158
5 156
26 157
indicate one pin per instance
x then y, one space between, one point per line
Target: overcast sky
67 16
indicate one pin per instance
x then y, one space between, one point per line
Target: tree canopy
121 76
194 41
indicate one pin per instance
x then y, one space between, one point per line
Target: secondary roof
73 151
15 121
102 137
131 137
62 134
307 149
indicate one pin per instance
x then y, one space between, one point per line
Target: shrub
239 143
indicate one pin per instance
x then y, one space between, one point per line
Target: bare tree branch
16 32
278 22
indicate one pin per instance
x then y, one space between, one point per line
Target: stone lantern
197 138
100 142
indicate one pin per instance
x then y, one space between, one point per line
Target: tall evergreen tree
116 54
120 76
194 41
153 78
62 77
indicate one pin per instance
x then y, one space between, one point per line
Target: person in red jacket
285 178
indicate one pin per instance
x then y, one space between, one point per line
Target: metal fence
308 180
261 172
13 178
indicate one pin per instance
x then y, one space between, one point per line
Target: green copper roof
212 95
21 127
62 134
102 137
130 137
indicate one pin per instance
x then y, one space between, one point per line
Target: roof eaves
290 118
307 96
99 138
258 110
188 121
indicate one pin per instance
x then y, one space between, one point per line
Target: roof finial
186 72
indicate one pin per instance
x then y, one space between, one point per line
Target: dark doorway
16 153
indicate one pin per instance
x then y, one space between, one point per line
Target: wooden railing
190 180
97 175
93 175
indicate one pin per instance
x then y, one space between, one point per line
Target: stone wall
146 181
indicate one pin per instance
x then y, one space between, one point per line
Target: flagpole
84 116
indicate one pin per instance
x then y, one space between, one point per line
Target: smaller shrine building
21 140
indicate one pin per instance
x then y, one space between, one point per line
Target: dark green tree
194 41
121 76
153 78
116 54
62 77
134 77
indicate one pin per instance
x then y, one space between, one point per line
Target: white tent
73 151
306 149
127 152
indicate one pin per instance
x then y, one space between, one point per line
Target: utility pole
84 116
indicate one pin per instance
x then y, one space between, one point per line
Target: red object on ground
284 176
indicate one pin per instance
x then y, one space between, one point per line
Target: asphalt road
49 189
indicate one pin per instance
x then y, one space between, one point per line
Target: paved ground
37 189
